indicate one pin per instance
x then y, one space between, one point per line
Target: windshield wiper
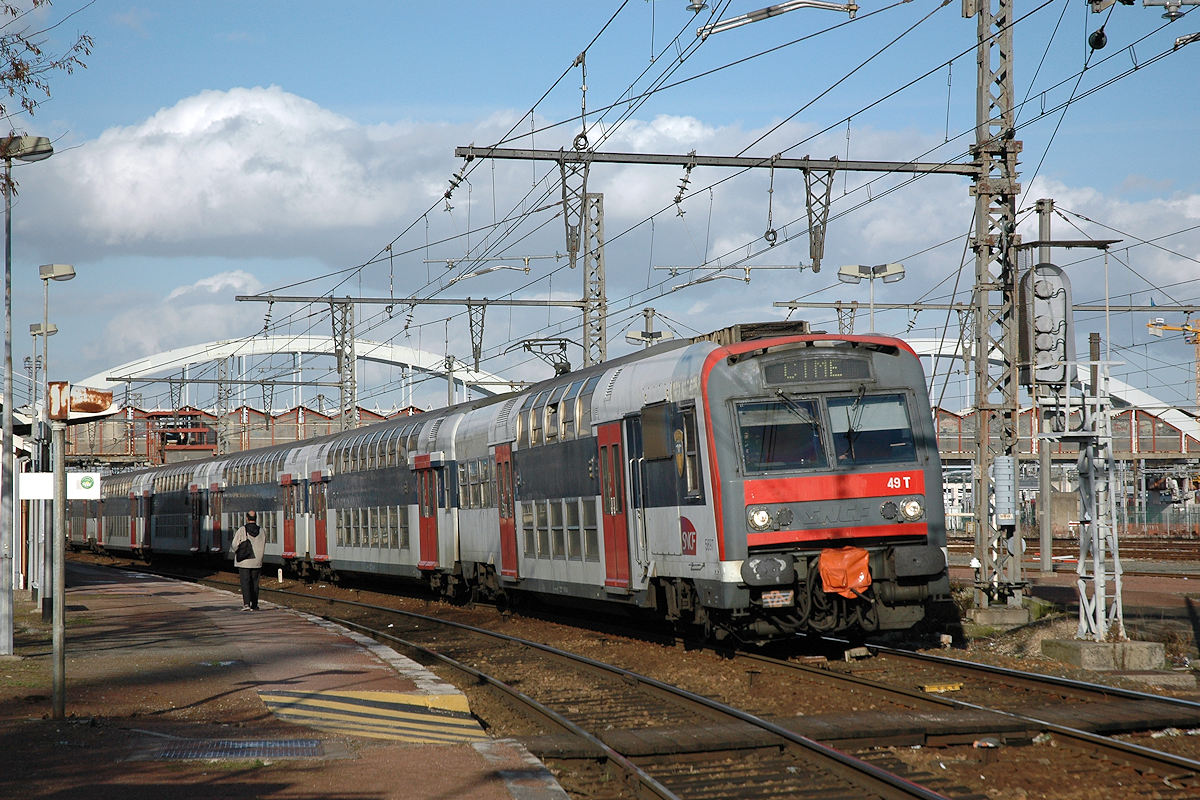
797 409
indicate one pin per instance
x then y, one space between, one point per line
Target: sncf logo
687 536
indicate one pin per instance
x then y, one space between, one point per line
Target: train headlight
759 518
912 509
889 510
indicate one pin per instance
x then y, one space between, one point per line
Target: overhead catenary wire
360 266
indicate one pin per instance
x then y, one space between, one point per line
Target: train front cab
828 485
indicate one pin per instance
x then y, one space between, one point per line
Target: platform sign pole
60 409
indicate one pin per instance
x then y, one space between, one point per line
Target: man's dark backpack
244 551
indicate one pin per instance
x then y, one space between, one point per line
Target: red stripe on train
833 487
823 534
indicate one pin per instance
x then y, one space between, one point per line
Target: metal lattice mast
224 394
997 541
595 303
343 348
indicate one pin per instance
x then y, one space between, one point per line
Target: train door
133 520
508 520
217 544
427 508
612 507
146 517
291 498
318 487
100 519
196 499
634 455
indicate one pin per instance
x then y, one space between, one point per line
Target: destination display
816 368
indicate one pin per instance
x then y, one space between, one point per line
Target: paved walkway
173 691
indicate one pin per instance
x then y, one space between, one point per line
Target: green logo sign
87 482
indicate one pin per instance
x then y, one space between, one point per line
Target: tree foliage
25 63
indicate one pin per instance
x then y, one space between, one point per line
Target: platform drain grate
241 749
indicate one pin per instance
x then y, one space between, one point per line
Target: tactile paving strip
241 749
408 717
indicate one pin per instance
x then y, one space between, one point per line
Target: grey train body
754 486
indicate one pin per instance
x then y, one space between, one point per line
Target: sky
216 149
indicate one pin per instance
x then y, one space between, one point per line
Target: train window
657 434
583 415
568 410
591 534
543 530
522 432
535 420
487 487
871 429
574 538
527 530
464 492
691 452
558 541
474 474
402 525
552 415
780 434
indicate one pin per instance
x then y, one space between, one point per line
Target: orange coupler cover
845 571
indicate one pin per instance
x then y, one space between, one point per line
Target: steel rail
849 768
631 770
1035 677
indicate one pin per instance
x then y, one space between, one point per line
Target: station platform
174 692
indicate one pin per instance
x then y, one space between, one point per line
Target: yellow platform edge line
325 703
447 702
430 723
385 732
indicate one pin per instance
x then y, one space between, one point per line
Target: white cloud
201 311
256 170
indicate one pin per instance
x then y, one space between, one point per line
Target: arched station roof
364 350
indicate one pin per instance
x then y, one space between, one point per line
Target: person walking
248 547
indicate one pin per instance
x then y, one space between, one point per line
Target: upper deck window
871 429
780 435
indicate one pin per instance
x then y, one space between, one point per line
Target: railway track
1166 548
580 713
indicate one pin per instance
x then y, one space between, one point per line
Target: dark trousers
249 576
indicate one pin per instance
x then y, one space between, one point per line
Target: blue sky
220 148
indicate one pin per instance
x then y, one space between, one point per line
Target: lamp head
26 148
57 272
852 273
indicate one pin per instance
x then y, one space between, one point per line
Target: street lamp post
22 148
854 273
38 563
48 272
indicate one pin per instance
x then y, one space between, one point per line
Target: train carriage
756 482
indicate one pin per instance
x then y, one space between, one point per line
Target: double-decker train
759 481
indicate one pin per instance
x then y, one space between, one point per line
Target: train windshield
871 429
780 435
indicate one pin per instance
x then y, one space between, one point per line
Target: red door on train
612 506
291 493
427 506
318 485
508 520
